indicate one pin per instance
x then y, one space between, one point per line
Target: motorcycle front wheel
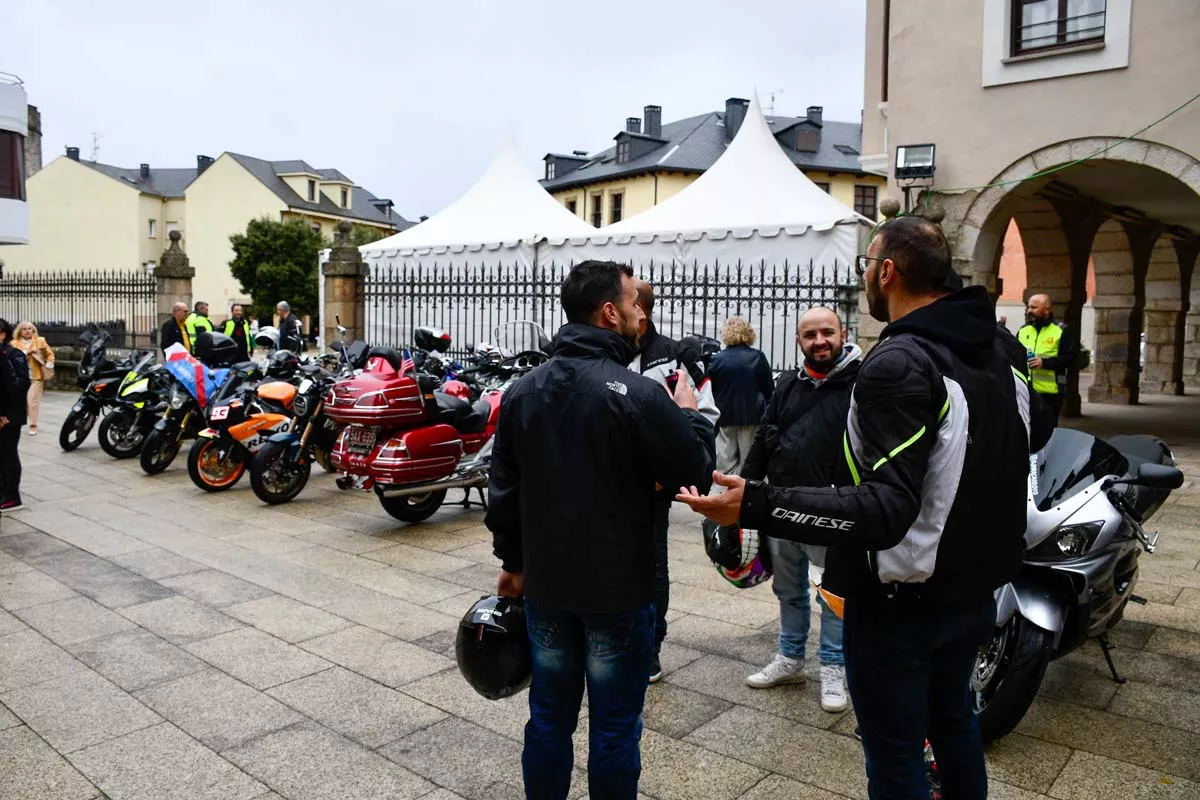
159 451
1008 673
277 477
215 466
120 436
75 429
414 507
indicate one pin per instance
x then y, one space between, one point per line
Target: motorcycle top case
379 395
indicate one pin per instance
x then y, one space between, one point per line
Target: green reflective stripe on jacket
1020 374
196 324
1043 344
900 448
850 459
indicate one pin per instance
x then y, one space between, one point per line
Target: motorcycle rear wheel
119 436
413 508
209 471
273 479
1008 673
75 429
159 451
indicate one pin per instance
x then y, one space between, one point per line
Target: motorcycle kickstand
482 499
1106 647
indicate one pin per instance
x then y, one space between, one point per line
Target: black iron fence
694 298
63 304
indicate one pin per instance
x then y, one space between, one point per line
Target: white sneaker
781 670
833 688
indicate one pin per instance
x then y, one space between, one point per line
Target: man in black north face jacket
938 438
581 443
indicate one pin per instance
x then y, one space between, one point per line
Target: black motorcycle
99 377
140 397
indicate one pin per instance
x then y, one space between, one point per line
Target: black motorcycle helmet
492 647
283 365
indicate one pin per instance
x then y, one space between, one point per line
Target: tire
158 452
212 473
264 478
75 429
413 508
119 436
1008 672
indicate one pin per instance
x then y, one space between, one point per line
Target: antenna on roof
771 103
95 146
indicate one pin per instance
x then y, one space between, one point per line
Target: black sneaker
655 670
11 505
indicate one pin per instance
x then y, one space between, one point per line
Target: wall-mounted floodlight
914 161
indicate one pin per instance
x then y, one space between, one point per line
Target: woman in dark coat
742 384
14 389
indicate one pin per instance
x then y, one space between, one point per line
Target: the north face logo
618 387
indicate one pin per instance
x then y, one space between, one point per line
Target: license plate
360 440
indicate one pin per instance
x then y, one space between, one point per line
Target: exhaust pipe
468 481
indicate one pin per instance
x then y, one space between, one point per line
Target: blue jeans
908 667
662 576
790 585
612 652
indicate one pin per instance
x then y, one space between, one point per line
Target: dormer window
549 170
312 191
345 198
808 140
624 148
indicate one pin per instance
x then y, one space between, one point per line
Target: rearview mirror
1158 476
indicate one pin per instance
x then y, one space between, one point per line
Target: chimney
579 152
633 124
73 153
33 142
144 171
653 121
735 114
202 163
814 114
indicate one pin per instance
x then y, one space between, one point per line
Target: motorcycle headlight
178 396
300 405
1069 541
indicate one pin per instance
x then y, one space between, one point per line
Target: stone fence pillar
344 275
172 280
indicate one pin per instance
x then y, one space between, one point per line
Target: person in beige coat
41 367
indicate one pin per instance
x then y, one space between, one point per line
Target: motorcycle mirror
1158 476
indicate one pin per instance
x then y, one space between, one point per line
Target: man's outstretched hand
724 508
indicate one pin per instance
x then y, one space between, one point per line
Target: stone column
1165 307
1122 259
1080 222
344 275
1187 334
172 280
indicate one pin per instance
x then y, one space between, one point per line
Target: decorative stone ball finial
935 214
174 236
889 207
342 237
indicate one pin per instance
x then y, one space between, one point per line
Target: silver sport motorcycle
1088 502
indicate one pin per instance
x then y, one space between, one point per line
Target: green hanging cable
1061 167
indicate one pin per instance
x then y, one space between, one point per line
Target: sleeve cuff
755 505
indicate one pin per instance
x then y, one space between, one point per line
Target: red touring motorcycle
407 440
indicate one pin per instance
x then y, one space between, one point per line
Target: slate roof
171 183
695 143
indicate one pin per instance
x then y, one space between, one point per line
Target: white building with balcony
14 213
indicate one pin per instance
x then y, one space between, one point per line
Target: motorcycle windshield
1071 462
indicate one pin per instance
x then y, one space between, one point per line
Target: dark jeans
662 576
1054 402
612 653
10 462
908 667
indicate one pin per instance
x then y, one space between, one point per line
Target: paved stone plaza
158 642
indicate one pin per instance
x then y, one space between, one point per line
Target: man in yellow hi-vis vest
1051 348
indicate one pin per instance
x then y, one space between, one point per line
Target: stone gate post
172 280
345 276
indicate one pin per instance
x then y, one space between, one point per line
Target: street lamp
914 163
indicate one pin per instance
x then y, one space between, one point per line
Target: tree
276 261
364 234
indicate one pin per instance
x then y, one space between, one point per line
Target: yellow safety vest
1044 344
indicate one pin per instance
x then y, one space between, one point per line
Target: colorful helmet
492 647
739 554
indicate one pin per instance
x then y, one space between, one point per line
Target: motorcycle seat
388 354
462 415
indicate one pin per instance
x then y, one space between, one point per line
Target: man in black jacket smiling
580 445
938 438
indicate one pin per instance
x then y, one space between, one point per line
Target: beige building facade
1078 121
86 216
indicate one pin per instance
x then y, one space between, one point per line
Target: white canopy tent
752 205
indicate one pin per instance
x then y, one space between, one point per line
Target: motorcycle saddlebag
422 454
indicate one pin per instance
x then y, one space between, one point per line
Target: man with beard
662 360
937 442
580 445
1053 350
799 443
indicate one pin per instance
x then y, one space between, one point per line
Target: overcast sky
411 100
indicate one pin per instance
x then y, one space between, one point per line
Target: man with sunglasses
937 442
